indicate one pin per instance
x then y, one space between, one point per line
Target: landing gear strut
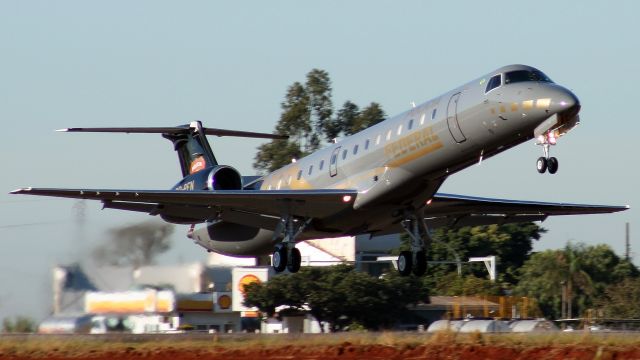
286 255
545 162
415 260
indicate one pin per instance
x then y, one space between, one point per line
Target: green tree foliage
307 118
467 285
318 87
295 120
350 119
510 243
622 300
21 324
586 271
339 296
134 245
276 154
345 118
369 116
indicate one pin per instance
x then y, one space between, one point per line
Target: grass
69 346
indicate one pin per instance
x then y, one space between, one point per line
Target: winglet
62 130
21 191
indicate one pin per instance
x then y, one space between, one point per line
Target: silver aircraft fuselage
401 162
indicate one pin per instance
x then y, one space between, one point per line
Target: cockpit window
525 75
494 82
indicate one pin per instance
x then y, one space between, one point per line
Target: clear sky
161 63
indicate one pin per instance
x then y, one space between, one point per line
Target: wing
460 210
198 206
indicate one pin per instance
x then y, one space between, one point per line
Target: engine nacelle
234 239
224 177
219 177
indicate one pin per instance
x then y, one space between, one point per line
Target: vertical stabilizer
194 152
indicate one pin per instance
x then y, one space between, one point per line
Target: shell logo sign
224 302
246 280
241 277
197 164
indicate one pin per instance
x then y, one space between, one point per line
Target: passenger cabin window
422 119
494 82
344 154
310 169
321 165
366 145
433 114
333 159
299 174
378 139
410 126
355 149
400 129
389 135
525 75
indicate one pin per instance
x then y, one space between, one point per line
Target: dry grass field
383 345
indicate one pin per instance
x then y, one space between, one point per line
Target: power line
13 226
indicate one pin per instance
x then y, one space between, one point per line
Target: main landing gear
546 163
415 260
286 255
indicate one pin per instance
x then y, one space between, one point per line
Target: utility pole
627 247
563 300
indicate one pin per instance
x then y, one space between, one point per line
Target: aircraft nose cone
563 99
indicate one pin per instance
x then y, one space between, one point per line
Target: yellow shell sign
224 302
246 280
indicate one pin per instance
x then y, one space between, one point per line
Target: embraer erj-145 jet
381 180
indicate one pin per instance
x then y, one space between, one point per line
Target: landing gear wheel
552 165
541 165
420 267
294 264
404 263
279 261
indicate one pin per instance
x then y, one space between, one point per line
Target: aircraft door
333 162
452 119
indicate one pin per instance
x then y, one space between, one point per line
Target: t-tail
194 153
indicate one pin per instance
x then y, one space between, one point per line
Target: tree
369 116
339 296
345 118
306 118
318 87
276 154
295 120
467 285
541 280
510 243
21 324
135 245
350 119
622 300
584 271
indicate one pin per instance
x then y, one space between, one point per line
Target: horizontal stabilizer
175 130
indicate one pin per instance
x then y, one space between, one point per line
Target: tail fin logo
197 164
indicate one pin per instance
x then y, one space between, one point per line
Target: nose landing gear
545 162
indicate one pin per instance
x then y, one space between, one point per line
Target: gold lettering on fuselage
411 146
